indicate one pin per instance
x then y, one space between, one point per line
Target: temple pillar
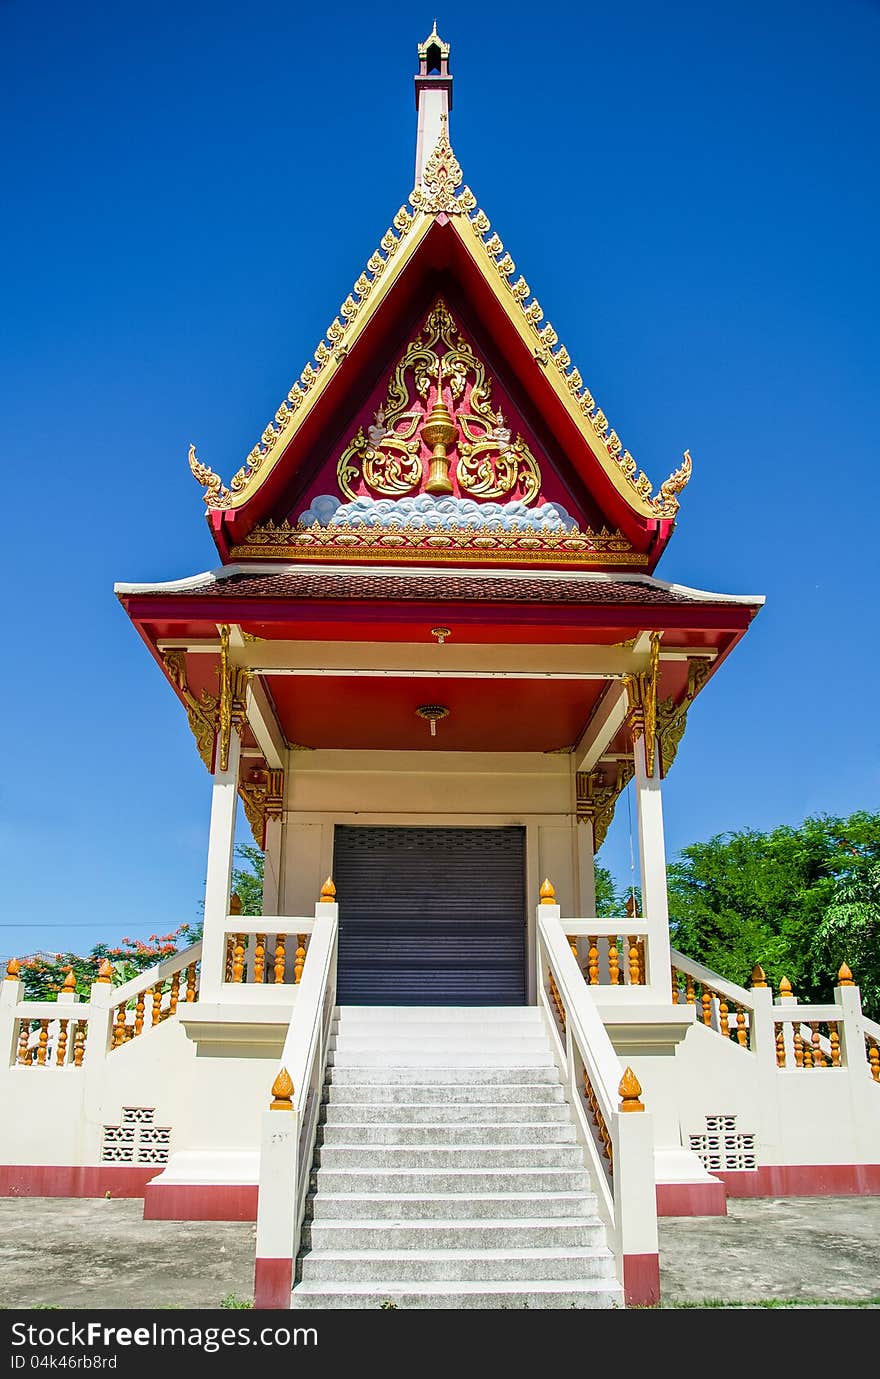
272 853
652 857
221 845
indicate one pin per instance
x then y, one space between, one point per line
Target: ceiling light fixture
432 713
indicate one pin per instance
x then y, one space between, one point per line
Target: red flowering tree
44 974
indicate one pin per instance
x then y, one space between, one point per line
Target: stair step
451 1158
448 1296
447 1015
356 1203
431 1036
456 1266
561 1232
339 1134
453 1180
431 1092
442 1057
442 1074
451 1115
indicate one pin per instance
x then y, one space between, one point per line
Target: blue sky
190 192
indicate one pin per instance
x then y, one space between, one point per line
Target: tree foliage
44 973
800 901
247 881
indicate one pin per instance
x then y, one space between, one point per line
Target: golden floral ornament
386 458
441 179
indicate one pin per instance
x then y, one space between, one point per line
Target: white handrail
288 1136
626 1189
740 994
160 973
606 928
268 924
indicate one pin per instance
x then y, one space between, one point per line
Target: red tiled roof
360 584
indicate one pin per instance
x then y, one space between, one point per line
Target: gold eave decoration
440 194
212 717
597 793
284 541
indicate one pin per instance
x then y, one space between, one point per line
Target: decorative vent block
138 1140
723 1146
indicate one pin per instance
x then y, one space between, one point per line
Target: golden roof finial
215 493
666 504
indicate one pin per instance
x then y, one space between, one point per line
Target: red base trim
641 1280
273 1280
201 1202
692 1199
66 1180
804 1180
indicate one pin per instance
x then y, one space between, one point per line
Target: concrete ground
95 1254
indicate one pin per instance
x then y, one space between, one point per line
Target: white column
585 868
272 867
652 856
221 845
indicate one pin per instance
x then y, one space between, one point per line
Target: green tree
611 903
607 903
247 881
44 973
749 897
849 931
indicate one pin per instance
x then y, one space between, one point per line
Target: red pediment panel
443 458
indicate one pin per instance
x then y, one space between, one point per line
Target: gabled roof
443 234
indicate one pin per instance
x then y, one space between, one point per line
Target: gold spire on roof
435 39
442 177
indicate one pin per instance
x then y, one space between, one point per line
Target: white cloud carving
436 514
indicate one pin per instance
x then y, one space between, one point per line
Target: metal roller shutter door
430 916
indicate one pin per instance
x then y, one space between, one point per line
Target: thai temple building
431 656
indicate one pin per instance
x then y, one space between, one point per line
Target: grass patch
233 1300
773 1302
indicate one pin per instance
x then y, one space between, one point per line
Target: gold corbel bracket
201 713
232 707
597 798
641 690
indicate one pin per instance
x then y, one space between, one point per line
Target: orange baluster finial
328 891
13 970
785 987
547 893
105 971
69 981
629 1090
235 906
844 976
282 1092
759 976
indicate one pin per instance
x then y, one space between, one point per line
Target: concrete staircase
448 1174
